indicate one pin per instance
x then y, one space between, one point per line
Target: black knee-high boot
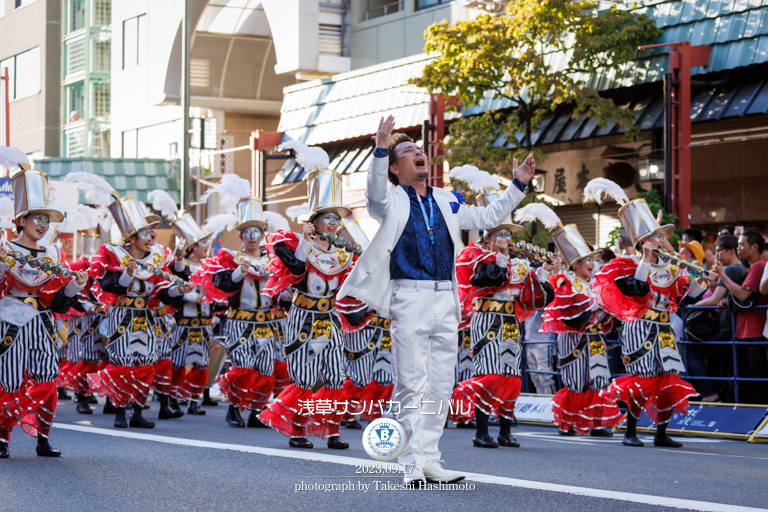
137 420
505 438
482 439
44 448
109 408
82 404
662 439
120 421
630 438
166 412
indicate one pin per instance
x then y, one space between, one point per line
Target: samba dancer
644 291
314 339
239 278
498 293
581 326
32 292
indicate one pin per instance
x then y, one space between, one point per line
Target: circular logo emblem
384 439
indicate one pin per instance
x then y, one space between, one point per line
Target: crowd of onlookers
730 309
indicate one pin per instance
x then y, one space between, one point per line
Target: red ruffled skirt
493 394
584 411
245 388
123 384
375 400
660 397
282 379
62 379
161 382
354 396
177 383
77 377
290 412
32 407
194 383
330 406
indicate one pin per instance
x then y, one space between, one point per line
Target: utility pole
185 185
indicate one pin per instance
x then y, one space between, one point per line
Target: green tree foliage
537 56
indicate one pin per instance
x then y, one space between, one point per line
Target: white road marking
557 438
646 499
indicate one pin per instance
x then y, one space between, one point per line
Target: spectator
693 251
692 234
540 356
727 230
710 250
750 322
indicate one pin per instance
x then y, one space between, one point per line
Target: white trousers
423 329
537 357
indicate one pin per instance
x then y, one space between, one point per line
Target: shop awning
134 176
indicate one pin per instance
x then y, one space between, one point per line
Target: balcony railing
384 10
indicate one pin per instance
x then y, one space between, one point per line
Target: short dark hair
727 242
396 139
607 255
729 228
694 234
753 237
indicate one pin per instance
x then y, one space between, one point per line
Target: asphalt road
201 464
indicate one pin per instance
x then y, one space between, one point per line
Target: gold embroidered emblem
596 347
322 328
11 261
386 343
195 337
510 331
342 257
262 332
467 342
157 260
158 331
139 324
666 339
125 261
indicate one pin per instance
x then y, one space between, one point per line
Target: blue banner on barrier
715 418
5 188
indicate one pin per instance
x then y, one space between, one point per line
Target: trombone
694 268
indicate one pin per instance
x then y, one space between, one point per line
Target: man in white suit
408 273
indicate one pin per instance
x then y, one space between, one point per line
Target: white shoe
416 474
434 472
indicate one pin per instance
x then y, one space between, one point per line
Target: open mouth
420 162
40 231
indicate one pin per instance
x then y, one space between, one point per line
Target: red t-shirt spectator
750 323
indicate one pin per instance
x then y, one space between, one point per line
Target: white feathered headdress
275 222
84 217
230 189
163 203
218 223
538 211
10 158
7 213
595 189
310 158
294 212
476 180
95 188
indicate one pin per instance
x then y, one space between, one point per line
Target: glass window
424 4
74 102
76 13
23 3
8 64
142 37
28 73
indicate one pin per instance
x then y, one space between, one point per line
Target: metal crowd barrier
734 343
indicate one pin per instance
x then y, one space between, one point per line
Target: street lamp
650 169
539 181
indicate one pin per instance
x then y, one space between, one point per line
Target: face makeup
252 233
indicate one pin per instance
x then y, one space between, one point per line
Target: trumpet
692 267
162 273
530 251
341 242
43 265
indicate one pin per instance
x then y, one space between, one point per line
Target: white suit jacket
370 281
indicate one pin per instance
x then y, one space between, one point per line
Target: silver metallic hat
250 213
485 200
187 228
351 230
129 216
30 194
640 222
90 242
324 191
571 244
50 237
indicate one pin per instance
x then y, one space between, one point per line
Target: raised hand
81 278
499 245
130 266
648 248
524 173
245 266
309 230
384 133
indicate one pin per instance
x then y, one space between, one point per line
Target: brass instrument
341 242
692 267
162 273
531 252
41 264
